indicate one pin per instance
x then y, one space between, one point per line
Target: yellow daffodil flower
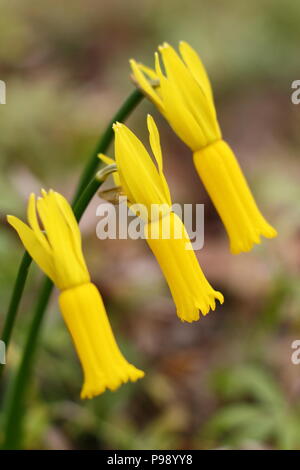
144 184
58 252
183 94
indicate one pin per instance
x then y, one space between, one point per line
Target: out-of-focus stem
132 101
15 301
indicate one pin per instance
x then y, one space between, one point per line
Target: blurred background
226 381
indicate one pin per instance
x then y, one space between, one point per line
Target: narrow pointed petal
69 265
139 176
154 140
195 65
32 244
33 222
193 95
143 82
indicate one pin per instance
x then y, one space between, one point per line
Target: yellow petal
58 251
148 71
156 149
139 176
73 227
145 85
193 96
177 113
184 95
197 69
103 364
33 245
155 142
33 222
67 258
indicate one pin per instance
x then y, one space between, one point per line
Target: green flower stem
86 196
14 405
13 409
129 104
132 101
15 300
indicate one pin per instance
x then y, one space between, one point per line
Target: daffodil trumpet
145 185
190 290
184 97
58 252
225 183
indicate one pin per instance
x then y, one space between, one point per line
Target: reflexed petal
74 232
185 84
139 176
195 65
33 246
178 114
184 95
156 149
145 85
69 265
33 222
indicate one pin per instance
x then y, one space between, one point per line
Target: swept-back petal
196 67
154 140
33 245
139 176
138 73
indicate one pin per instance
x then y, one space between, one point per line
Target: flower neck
211 144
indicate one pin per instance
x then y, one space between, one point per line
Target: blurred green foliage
257 411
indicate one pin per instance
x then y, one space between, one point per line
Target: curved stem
129 104
14 403
85 198
14 406
15 300
132 101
